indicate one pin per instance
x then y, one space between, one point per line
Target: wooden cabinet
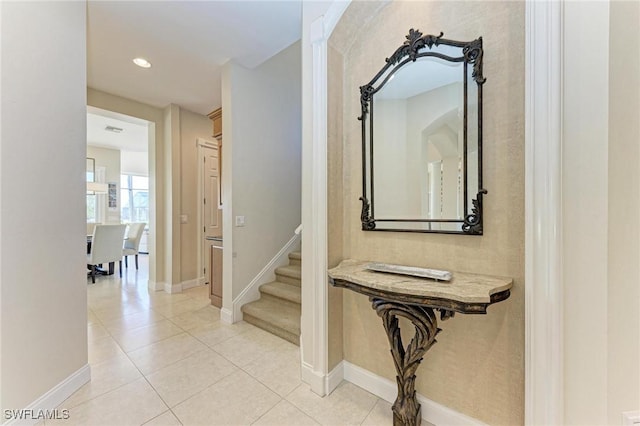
216 117
215 273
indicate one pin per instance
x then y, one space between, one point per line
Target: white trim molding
314 322
172 288
335 377
156 286
386 389
251 292
178 288
544 388
52 399
191 283
226 316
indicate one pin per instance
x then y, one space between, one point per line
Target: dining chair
132 243
90 227
106 247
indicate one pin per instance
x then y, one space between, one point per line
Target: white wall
601 198
262 127
134 163
43 301
585 212
398 193
391 198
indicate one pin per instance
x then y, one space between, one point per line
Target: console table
417 299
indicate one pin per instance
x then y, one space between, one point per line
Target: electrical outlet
239 220
184 218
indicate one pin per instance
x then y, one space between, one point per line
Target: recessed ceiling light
142 62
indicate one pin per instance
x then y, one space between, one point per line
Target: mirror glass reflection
421 139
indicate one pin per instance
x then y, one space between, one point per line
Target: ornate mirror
422 138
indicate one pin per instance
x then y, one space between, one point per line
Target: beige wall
181 129
477 367
335 200
43 290
192 127
623 298
262 128
110 160
171 149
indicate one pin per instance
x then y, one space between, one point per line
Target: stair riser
288 280
277 299
295 258
286 335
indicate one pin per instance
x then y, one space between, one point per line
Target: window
134 193
91 198
91 208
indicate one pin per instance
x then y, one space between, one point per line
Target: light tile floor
167 359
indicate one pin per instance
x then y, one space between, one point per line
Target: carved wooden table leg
406 409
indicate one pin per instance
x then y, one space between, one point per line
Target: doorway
120 145
209 214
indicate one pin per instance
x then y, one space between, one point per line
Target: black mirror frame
410 51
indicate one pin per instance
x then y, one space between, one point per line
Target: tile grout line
198 298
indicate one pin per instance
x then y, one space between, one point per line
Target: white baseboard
155 286
202 280
226 316
314 379
335 377
178 288
432 412
48 402
191 283
251 292
173 288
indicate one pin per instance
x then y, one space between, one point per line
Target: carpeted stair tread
285 291
278 309
292 271
281 319
295 258
290 274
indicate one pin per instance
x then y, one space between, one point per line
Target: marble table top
466 293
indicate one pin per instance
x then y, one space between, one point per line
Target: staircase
278 309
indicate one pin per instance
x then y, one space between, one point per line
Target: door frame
202 144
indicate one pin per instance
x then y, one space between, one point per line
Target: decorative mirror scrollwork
422 134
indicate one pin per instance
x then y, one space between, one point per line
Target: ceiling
187 43
133 136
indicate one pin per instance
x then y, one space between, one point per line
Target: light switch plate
239 220
184 218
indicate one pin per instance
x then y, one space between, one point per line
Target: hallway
167 359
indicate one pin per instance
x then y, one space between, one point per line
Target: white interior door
211 214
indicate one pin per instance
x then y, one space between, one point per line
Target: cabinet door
216 275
